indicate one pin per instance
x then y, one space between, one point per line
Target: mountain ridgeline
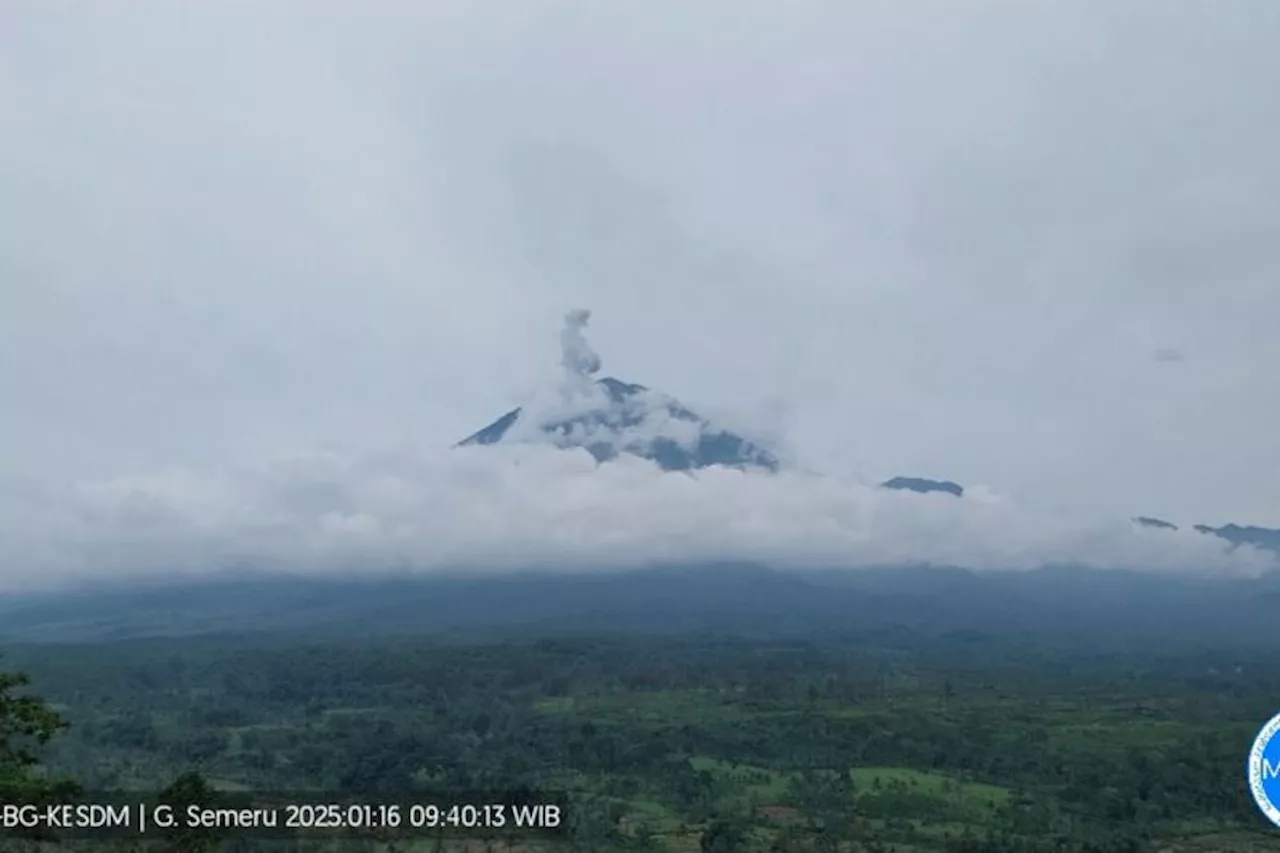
924 486
1070 605
1259 537
627 418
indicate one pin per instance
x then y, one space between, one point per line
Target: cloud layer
538 500
532 506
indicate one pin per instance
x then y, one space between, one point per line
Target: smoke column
577 356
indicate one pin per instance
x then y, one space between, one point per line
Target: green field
692 744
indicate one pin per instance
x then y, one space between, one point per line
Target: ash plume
578 358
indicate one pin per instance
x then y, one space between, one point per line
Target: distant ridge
1112 609
924 486
1259 537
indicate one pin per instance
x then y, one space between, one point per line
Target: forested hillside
871 743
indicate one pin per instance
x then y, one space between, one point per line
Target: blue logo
1264 770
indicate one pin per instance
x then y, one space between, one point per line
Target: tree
722 836
645 841
827 796
26 725
190 789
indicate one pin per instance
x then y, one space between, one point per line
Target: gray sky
1026 246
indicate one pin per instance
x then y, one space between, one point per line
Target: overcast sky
1028 246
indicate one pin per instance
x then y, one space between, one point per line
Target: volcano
609 417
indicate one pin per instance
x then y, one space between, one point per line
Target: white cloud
513 507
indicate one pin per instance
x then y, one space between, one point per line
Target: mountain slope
1079 606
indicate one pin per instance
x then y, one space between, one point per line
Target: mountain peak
609 417
924 485
1158 523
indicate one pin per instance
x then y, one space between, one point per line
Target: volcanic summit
609 417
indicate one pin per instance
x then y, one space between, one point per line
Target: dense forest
878 742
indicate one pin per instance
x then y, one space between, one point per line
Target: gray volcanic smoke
578 358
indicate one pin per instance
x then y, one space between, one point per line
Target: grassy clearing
556 704
938 784
765 786
942 803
